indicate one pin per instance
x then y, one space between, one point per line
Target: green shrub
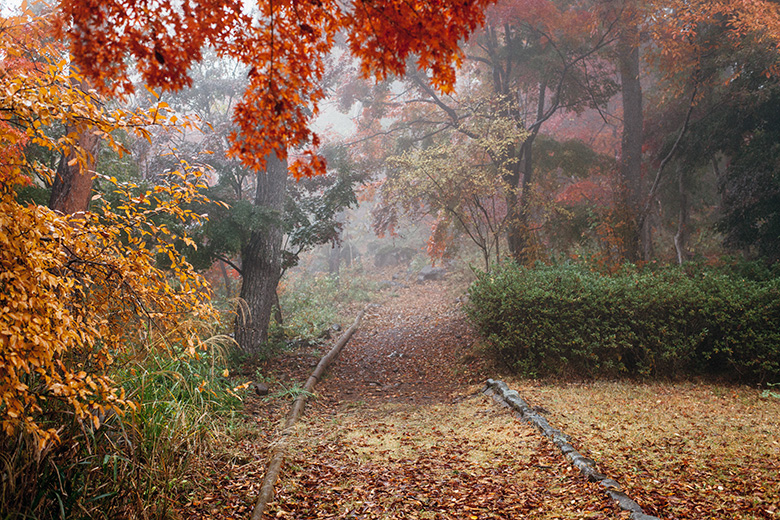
659 322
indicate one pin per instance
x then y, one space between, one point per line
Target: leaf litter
398 430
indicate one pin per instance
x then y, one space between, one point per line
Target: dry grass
681 450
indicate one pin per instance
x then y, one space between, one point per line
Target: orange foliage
593 190
283 46
75 291
674 28
440 238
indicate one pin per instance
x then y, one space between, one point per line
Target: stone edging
501 393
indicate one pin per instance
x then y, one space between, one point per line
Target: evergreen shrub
662 322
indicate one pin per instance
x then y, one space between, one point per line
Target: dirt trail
398 430
411 349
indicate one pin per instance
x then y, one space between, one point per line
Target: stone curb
501 393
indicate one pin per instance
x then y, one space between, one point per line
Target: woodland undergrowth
656 321
133 465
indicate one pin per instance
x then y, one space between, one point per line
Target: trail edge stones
501 393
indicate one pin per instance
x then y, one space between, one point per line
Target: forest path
399 430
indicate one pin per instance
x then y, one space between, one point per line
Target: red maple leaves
283 44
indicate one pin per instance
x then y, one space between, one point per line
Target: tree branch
231 264
659 172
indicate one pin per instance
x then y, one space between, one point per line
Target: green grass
133 465
312 304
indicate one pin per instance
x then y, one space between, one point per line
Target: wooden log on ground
277 454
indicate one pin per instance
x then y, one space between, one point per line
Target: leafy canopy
282 43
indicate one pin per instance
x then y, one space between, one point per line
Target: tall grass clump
656 322
134 465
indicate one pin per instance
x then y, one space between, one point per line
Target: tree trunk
681 237
630 165
72 187
278 317
261 260
515 238
334 259
226 280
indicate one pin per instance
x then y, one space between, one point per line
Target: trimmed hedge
666 322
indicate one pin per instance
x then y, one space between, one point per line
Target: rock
561 438
510 393
389 256
431 273
391 284
261 389
641 516
625 503
610 484
500 387
517 403
565 447
543 426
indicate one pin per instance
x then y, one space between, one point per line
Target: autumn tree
729 141
529 62
245 232
283 46
76 289
456 185
670 41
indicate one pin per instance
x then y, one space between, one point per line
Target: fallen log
277 454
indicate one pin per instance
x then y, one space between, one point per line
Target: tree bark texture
630 166
72 187
261 260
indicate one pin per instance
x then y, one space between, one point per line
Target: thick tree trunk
630 166
261 260
72 188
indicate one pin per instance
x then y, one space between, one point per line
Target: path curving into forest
400 430
414 348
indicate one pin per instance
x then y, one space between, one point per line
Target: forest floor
399 429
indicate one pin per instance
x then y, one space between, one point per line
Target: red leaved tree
283 44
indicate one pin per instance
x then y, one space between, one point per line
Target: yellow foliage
76 290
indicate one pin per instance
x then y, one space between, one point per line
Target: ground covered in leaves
398 429
682 450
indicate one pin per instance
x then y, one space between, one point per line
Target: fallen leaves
406 436
683 450
432 461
